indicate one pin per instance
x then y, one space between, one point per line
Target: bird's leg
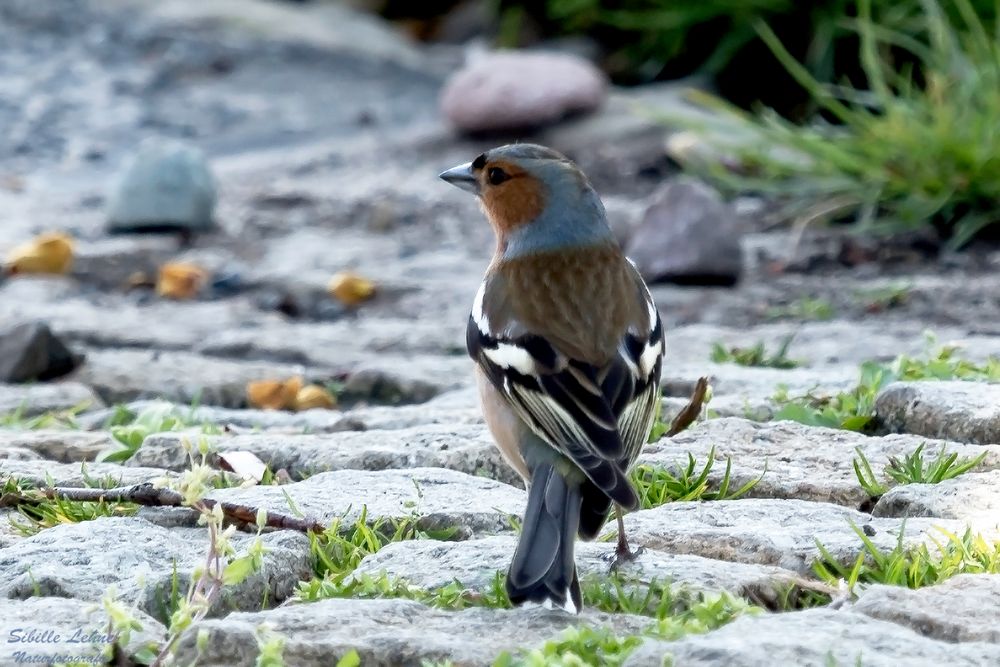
623 553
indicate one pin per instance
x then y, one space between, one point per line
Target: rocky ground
323 130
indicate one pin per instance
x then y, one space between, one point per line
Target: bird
568 348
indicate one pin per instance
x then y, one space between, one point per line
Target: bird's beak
462 177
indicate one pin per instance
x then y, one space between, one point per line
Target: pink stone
507 90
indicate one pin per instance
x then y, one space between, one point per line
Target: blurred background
234 190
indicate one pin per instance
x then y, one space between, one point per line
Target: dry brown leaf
314 396
47 253
245 464
350 288
178 280
274 394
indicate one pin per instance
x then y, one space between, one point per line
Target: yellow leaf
350 288
180 281
314 396
274 394
47 253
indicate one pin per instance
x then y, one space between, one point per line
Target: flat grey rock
813 638
387 633
973 496
770 532
804 462
18 453
36 399
467 449
281 421
76 629
59 445
437 498
964 608
451 408
37 472
179 325
138 558
955 410
474 563
165 184
121 375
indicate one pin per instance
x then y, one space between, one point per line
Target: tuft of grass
850 410
131 429
56 419
917 149
913 469
912 567
813 309
854 410
755 355
657 485
880 299
45 512
944 365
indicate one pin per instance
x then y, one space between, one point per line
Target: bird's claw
623 555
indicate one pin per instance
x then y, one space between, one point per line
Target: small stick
691 411
148 495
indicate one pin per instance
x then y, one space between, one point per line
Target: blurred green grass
918 148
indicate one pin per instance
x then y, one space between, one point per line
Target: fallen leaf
245 464
274 394
314 396
350 288
178 280
47 253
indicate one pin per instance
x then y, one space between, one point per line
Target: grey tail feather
543 570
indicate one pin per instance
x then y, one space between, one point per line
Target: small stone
509 90
167 185
30 351
954 410
688 235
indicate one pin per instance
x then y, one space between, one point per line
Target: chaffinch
568 345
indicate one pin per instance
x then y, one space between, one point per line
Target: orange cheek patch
514 202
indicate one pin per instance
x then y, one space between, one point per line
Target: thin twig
148 495
691 411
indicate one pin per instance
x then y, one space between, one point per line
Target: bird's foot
622 555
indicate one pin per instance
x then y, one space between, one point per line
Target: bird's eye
496 175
